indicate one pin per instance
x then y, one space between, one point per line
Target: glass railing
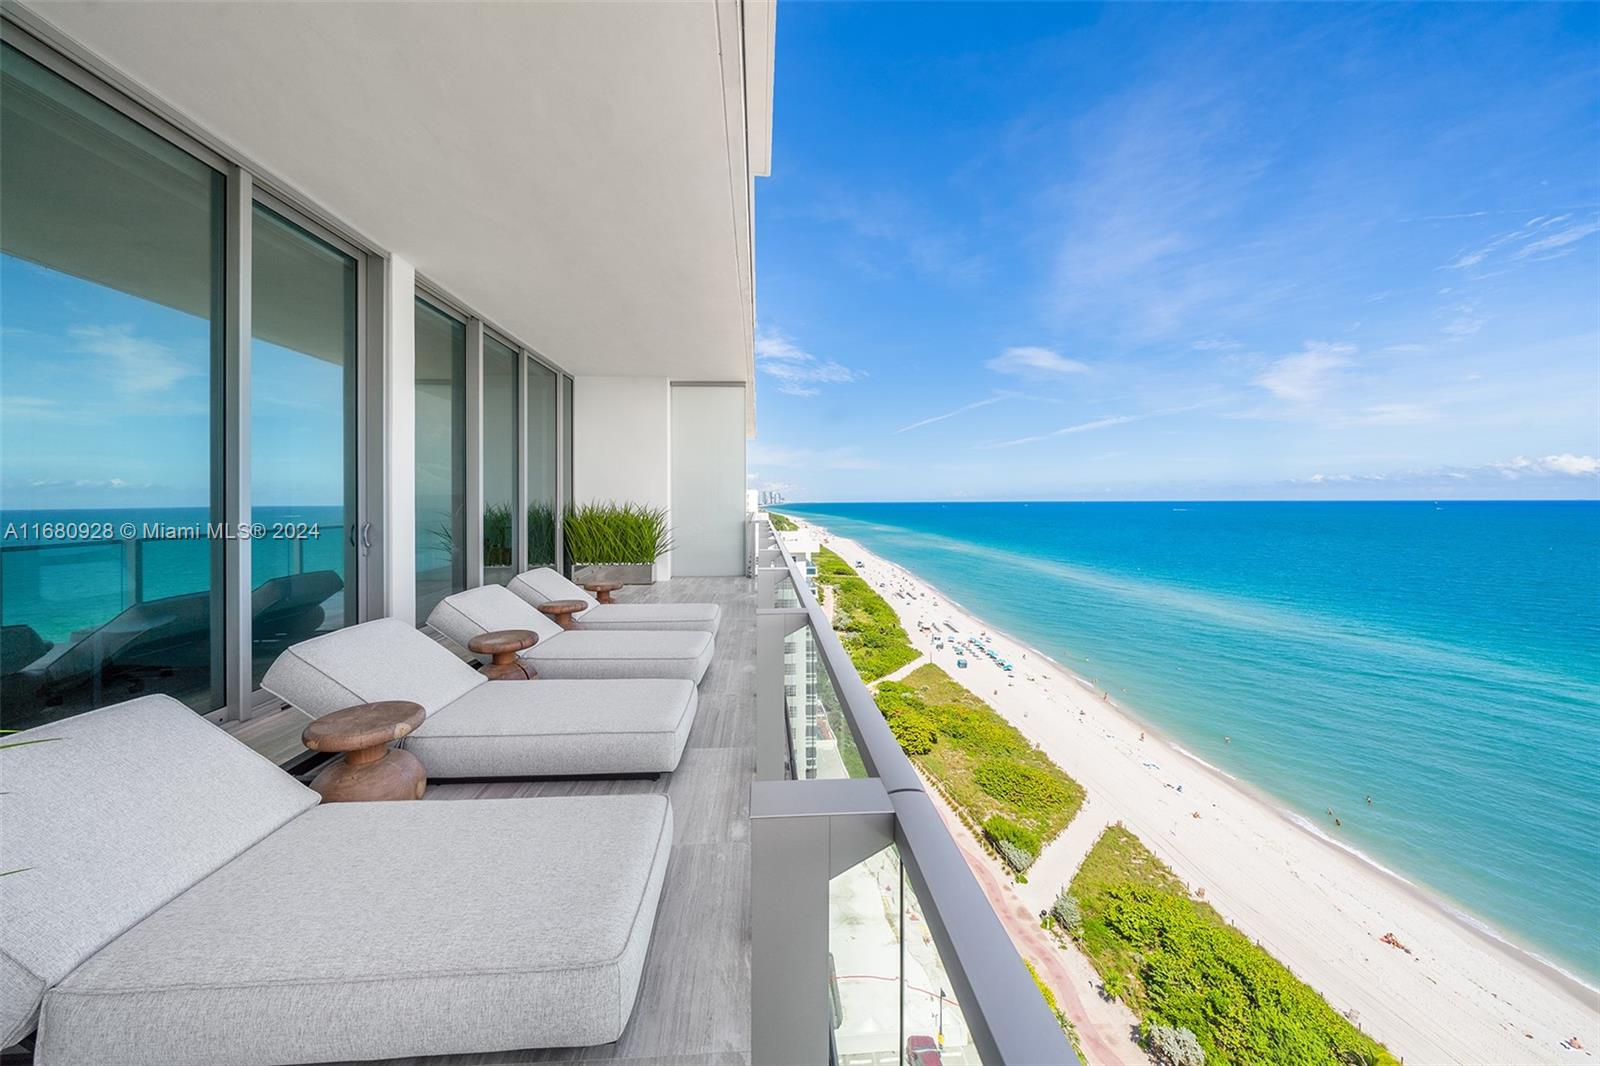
872 940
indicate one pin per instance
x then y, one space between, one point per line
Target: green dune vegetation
867 626
782 522
1000 784
1187 973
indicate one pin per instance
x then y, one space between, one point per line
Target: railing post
768 579
772 723
133 568
802 834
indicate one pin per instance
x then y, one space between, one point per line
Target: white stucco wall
622 443
708 482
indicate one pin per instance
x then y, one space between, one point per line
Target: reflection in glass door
110 286
441 442
541 473
499 460
302 436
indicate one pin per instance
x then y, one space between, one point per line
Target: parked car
923 1051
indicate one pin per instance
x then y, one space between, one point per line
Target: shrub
915 731
782 523
1177 964
867 626
1016 858
542 534
1003 830
1068 913
1172 1046
1027 788
616 533
1044 990
981 732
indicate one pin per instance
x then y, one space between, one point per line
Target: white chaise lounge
574 653
183 902
482 728
544 585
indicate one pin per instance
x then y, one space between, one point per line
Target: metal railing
807 831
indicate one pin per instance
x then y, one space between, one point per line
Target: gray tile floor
695 1004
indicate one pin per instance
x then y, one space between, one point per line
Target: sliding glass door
499 460
441 459
111 268
303 355
541 465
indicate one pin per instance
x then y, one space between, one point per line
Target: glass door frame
360 440
230 415
477 328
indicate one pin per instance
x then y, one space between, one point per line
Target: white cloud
1559 239
1566 464
1034 363
1081 427
1303 377
1544 237
1216 344
958 411
130 364
1466 322
796 370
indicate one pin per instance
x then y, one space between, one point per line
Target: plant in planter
541 534
497 534
617 541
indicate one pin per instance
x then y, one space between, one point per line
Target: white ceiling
577 173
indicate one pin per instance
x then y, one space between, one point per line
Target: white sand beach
1454 994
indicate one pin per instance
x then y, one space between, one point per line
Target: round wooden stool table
370 769
503 645
563 610
602 590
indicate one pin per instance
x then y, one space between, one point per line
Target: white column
400 437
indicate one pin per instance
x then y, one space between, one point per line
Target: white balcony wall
622 443
708 480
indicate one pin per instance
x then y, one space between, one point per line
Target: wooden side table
370 769
563 610
602 590
503 645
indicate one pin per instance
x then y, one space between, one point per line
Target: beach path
1105 1028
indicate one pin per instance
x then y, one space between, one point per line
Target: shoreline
1552 998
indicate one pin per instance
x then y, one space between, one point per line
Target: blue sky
1146 251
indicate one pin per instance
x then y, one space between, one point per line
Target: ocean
1443 659
68 578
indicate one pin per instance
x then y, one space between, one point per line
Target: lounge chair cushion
545 584
605 653
386 659
464 615
576 653
125 810
559 729
698 617
377 930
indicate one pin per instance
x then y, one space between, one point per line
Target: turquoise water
1444 660
69 580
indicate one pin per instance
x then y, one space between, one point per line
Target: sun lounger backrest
545 584
125 809
485 609
386 659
